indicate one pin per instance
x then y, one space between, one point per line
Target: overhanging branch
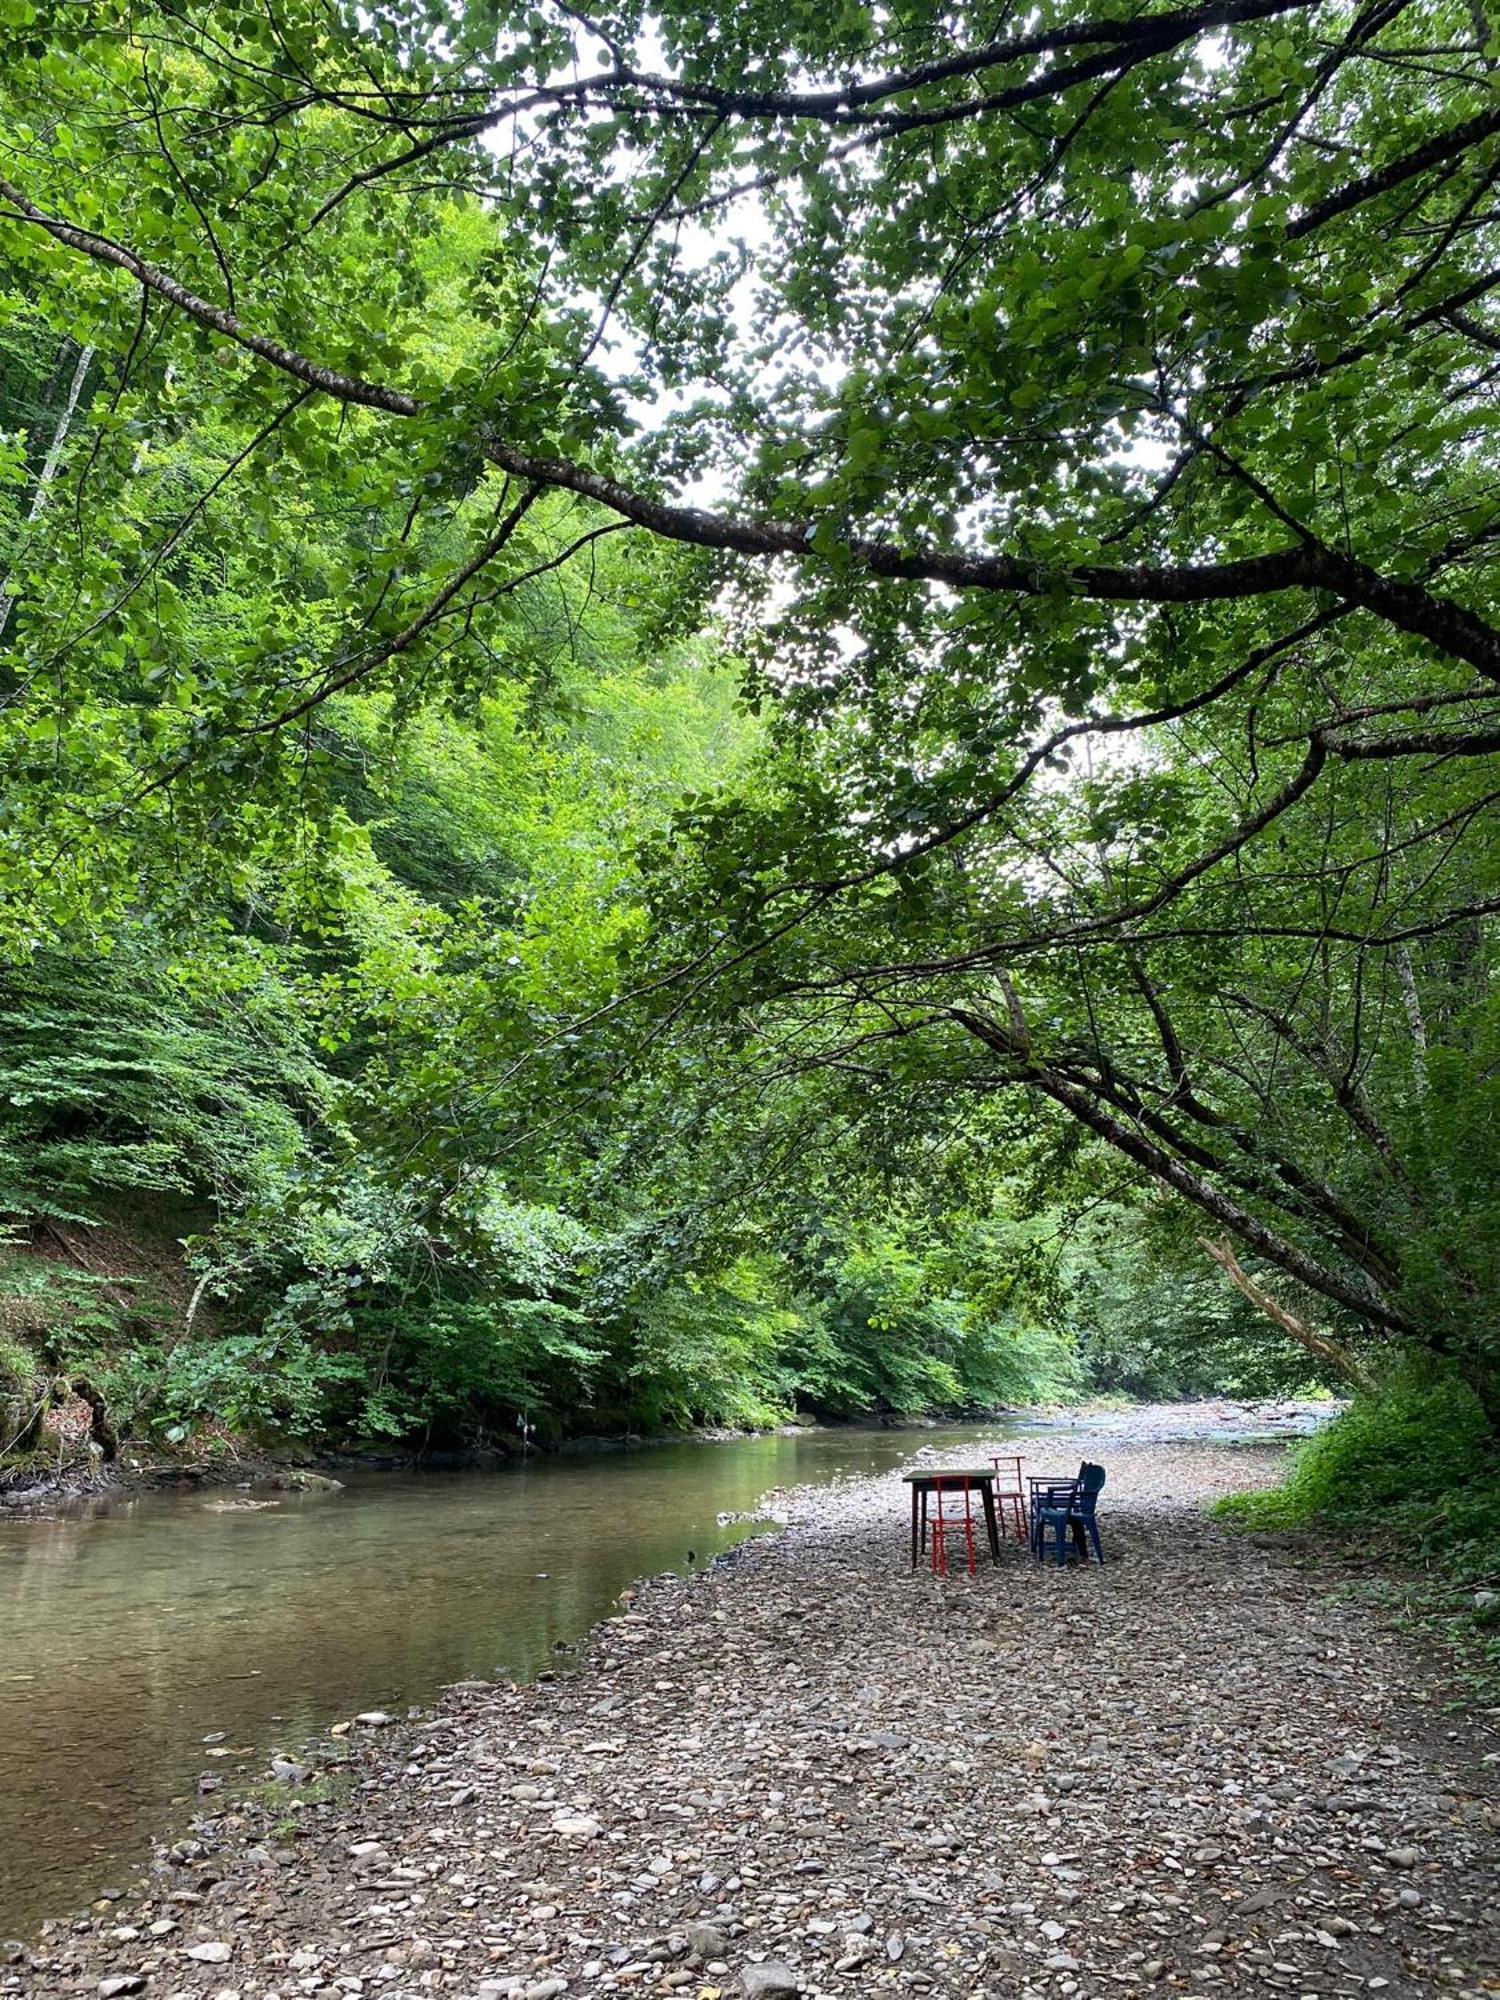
1310 565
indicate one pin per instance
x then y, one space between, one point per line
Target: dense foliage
753 670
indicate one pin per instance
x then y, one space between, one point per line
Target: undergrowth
1411 1473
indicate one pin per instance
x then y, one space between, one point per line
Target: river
131 1632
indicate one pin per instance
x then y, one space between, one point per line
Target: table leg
987 1494
914 1524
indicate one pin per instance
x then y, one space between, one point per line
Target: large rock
769 1980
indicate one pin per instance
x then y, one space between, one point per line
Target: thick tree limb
1431 153
1308 565
1331 1352
1135 1145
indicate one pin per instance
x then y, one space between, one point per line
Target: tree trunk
50 465
1411 1000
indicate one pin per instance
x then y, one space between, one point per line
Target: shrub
1422 1443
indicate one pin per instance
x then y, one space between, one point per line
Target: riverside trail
1202 1769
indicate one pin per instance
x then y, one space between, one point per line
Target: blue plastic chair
1067 1508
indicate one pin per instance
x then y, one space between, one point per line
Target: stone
375 1718
1402 1857
1257 1900
769 1979
213 1953
116 1983
737 1823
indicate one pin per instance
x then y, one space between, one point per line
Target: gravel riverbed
1201 1769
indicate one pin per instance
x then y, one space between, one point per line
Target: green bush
1422 1444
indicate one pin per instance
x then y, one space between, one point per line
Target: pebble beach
1206 1767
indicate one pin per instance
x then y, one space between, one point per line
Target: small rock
577 1826
375 1718
1402 1857
117 1983
213 1953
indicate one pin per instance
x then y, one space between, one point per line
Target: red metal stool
942 1527
1014 1497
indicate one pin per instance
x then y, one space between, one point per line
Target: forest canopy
714 711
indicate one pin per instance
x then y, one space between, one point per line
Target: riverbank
1196 1770
139 1468
71 1486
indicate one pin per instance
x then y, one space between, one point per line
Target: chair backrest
1090 1481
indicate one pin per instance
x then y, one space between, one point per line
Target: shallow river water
131 1633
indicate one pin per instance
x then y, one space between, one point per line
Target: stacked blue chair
1065 1509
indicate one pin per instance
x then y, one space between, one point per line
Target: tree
1115 389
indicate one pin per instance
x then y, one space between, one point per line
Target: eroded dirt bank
1197 1770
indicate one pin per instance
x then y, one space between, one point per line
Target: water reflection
129 1634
